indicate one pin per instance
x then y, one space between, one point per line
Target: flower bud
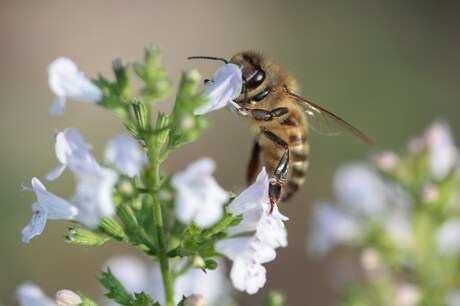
84 237
198 262
195 300
66 297
122 77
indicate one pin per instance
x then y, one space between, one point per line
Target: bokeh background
388 67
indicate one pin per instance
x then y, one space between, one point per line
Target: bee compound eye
256 79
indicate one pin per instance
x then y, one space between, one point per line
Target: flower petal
30 294
93 195
36 225
66 81
56 207
226 86
126 155
253 196
330 227
199 198
360 189
248 275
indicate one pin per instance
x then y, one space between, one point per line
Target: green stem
162 252
154 183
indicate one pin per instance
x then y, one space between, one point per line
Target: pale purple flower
443 152
125 154
71 151
66 81
448 237
29 294
93 194
137 276
331 226
48 206
199 198
225 87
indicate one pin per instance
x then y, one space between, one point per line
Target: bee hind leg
281 171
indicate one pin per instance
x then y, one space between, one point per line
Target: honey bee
279 118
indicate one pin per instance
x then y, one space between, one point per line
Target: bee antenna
209 57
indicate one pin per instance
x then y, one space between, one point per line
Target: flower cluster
266 233
185 221
93 198
402 213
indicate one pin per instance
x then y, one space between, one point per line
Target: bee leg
264 115
281 171
253 163
244 90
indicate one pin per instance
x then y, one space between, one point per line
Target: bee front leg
281 171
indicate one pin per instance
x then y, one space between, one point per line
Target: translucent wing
326 122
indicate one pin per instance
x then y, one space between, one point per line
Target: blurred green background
388 67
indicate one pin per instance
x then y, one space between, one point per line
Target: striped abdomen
292 128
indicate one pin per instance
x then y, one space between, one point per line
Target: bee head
251 63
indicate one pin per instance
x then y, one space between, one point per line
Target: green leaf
142 299
116 291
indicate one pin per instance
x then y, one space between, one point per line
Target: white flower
268 232
443 152
199 198
71 150
448 237
407 295
126 155
49 206
225 87
29 294
136 276
248 254
253 205
453 298
331 226
66 81
93 195
360 189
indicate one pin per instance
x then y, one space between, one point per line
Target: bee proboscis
279 118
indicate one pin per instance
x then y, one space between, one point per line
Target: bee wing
326 122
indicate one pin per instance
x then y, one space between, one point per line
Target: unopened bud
198 262
66 297
195 300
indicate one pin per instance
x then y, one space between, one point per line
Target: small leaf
116 291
